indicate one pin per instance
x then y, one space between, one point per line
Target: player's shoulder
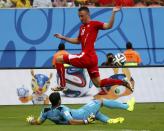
94 22
46 109
62 108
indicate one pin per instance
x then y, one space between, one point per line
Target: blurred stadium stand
77 3
28 35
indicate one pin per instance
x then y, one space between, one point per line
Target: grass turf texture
144 117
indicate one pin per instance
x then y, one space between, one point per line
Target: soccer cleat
58 88
131 104
128 84
116 120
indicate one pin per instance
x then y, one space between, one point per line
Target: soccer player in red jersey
87 58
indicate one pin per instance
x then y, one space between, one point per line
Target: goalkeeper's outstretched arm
77 122
71 122
36 122
31 120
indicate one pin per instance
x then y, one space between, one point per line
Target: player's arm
31 120
70 40
76 122
109 25
41 119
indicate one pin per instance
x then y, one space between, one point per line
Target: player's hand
58 36
91 118
30 119
116 9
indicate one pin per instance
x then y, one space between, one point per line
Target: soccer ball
77 84
22 92
119 59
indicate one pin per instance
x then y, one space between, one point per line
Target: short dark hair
110 57
84 9
54 98
61 46
129 45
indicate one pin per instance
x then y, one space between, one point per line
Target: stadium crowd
77 3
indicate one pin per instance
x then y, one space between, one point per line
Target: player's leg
115 104
106 82
74 60
59 64
95 77
92 107
103 118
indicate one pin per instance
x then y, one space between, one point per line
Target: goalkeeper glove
90 119
30 119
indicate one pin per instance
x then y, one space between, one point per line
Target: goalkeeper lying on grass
90 112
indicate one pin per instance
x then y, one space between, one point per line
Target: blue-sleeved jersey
62 114
59 115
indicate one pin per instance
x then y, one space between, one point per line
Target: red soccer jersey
88 34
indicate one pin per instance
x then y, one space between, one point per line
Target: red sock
61 73
110 82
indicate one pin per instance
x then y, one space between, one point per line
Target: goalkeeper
87 114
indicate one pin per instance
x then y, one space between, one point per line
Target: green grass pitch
145 117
